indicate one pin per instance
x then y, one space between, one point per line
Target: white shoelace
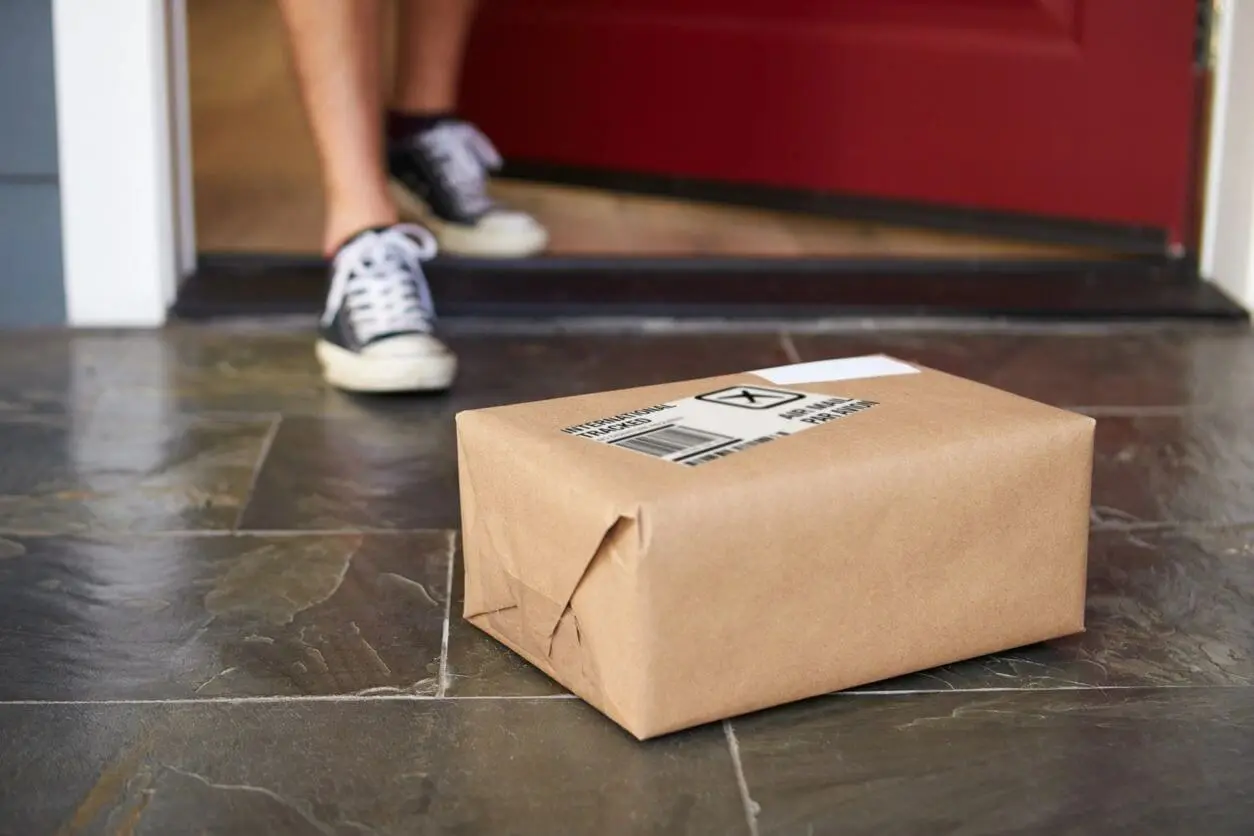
463 158
378 280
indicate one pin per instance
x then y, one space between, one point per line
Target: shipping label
713 425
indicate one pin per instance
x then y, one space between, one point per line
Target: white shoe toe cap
417 346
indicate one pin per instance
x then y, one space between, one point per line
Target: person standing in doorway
399 183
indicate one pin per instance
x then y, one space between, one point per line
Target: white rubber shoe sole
352 372
503 234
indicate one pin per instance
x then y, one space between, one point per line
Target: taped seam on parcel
574 663
615 533
581 674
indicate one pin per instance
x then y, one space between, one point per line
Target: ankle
402 124
343 224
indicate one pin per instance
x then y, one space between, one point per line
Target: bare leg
337 50
429 54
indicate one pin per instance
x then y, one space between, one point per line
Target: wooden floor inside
257 188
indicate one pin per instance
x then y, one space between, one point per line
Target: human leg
336 47
376 332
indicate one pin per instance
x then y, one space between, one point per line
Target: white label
716 424
826 371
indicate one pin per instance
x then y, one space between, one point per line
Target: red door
1080 109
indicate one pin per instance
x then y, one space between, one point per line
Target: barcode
669 441
714 455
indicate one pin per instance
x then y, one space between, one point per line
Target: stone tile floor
225 599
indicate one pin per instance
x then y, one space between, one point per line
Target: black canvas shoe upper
448 167
378 289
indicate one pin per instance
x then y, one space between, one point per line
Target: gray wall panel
31 280
31 289
28 121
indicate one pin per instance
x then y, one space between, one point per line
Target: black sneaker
377 334
439 179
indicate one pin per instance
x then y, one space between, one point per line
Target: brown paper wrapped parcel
683 553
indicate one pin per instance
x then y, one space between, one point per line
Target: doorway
257 189
670 232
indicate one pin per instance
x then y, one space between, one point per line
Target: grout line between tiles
294 532
1168 526
442 688
1030 689
354 698
228 533
1135 528
752 808
359 698
1148 526
1150 410
790 347
266 444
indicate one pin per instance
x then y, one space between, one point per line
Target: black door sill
1130 289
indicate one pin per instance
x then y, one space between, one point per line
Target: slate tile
81 473
1167 761
199 617
376 766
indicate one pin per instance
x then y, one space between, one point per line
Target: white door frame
128 227
180 99
1227 254
124 141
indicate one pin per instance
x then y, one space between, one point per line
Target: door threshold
740 289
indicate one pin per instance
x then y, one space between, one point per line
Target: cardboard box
684 553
